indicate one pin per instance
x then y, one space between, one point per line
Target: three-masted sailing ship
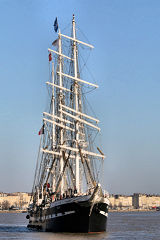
66 194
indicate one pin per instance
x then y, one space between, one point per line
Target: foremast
64 154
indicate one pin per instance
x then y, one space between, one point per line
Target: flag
55 42
41 131
50 56
55 25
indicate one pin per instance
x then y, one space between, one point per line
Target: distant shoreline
13 211
133 210
111 210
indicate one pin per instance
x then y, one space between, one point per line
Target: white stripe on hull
104 213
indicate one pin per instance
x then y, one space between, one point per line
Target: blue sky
125 64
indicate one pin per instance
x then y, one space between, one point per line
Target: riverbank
13 211
132 210
110 210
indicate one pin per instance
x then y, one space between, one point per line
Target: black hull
72 217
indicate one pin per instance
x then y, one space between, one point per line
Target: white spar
77 79
56 117
57 153
60 54
80 113
58 124
57 86
81 120
83 151
76 40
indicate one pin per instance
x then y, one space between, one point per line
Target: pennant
55 25
55 42
41 131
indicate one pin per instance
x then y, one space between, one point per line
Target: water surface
124 226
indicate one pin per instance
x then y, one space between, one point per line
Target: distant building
18 200
3 194
120 202
136 201
145 201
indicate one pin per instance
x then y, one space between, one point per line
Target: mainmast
76 103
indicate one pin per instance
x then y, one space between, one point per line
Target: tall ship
67 195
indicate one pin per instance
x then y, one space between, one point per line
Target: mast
53 107
76 103
53 127
60 108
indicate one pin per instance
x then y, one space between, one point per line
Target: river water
124 226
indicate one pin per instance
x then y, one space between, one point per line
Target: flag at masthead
55 25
